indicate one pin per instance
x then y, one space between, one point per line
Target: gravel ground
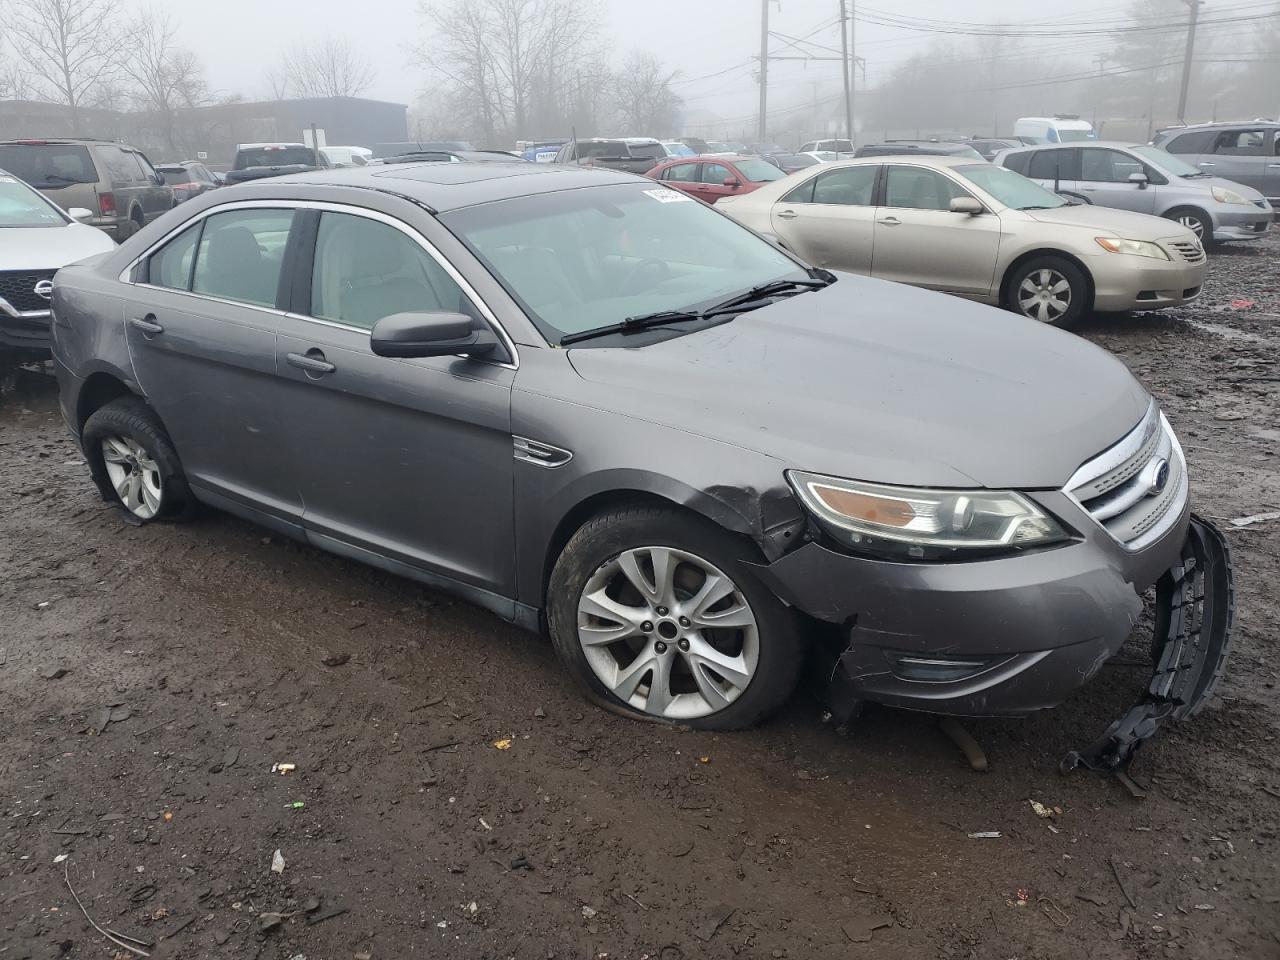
453 796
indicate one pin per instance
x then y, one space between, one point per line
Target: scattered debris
1095 899
964 740
986 835
1250 520
715 920
60 857
327 915
296 805
283 768
485 823
1040 809
117 939
503 744
1204 906
277 862
473 908
1228 414
1243 304
861 929
335 659
635 901
1054 912
540 714
444 745
704 759
588 913
55 673
521 863
1115 870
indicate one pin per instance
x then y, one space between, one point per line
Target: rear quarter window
1197 141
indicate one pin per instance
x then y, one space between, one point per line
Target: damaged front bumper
1195 610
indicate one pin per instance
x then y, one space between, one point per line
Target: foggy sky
243 37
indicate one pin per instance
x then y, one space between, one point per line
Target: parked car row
695 457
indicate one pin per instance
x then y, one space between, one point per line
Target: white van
1053 129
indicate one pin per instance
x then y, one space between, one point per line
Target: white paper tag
663 195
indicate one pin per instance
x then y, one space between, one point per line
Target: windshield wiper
1192 176
645 321
767 291
51 177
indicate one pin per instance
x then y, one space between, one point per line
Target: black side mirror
434 334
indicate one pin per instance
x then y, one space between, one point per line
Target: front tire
1048 289
652 610
134 462
1195 221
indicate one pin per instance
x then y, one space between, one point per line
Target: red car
710 178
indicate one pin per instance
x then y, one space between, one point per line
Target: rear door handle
147 325
787 214
890 221
312 362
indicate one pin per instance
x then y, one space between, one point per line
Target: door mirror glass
80 214
967 205
434 334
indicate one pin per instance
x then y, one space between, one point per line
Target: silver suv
114 181
1146 179
1247 153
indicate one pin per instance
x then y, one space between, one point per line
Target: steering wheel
650 264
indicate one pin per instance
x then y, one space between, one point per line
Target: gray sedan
1146 179
592 404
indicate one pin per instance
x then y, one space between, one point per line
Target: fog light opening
939 669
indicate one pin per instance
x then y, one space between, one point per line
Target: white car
347 156
36 238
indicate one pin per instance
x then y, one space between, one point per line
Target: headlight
914 523
1223 195
1138 248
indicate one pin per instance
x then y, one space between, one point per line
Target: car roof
920 159
272 143
1071 145
1220 125
451 186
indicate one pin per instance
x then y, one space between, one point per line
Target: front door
201 324
713 177
156 197
829 219
1104 180
918 240
408 459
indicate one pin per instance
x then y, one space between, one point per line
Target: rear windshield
647 151
21 206
174 175
48 165
758 171
275 157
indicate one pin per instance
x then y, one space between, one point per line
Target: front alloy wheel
134 475
1045 295
668 633
1194 223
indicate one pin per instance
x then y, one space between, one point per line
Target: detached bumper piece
1195 608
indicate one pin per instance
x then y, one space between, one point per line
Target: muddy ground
195 661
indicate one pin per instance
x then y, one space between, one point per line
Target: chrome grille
1136 489
18 288
1189 250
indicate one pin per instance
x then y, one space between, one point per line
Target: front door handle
787 214
312 362
1207 163
147 325
890 221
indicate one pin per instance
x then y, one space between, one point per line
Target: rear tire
134 462
1048 289
651 647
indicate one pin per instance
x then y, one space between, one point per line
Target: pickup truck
634 155
254 161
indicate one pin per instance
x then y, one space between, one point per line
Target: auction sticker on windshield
663 195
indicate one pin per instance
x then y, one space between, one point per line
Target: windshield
1166 161
48 166
678 150
613 149
1071 136
275 157
580 259
20 206
1011 189
758 171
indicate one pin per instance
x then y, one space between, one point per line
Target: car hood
48 248
1121 223
877 381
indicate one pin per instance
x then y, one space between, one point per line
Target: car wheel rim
1044 295
134 475
1194 224
668 633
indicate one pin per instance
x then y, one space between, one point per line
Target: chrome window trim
323 205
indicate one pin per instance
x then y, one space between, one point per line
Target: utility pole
764 68
1186 62
853 66
844 62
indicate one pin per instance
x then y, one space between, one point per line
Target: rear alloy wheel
654 611
1049 290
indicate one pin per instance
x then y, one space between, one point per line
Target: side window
148 168
240 255
1055 164
1017 162
141 173
715 173
120 166
1197 141
366 270
802 193
852 186
1107 166
170 266
1241 143
917 188
682 173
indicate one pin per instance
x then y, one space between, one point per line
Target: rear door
407 459
829 219
918 240
1242 155
1104 180
201 326
1271 182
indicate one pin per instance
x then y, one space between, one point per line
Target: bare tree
330 68
645 101
69 47
166 77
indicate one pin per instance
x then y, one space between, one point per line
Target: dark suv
115 181
1247 153
256 161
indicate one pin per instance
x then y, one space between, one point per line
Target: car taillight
106 203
